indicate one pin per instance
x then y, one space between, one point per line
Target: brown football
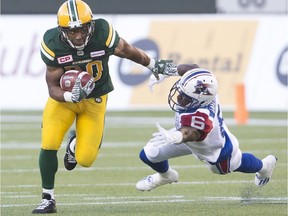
68 79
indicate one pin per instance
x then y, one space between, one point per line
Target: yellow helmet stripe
111 37
47 52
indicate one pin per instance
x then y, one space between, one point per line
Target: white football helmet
196 88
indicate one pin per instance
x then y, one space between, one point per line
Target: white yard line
162 199
139 121
125 155
31 145
133 184
113 168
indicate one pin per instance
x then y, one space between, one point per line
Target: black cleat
46 206
69 158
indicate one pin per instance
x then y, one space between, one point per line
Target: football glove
78 93
153 81
166 137
158 66
88 88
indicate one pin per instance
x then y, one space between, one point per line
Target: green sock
48 164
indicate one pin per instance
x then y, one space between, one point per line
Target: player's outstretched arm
125 50
179 70
157 66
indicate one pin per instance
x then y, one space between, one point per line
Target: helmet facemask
196 88
64 31
179 101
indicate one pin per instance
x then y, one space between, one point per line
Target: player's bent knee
85 163
151 152
86 160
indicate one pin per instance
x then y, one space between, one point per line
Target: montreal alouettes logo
65 59
202 88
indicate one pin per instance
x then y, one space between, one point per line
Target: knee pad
151 152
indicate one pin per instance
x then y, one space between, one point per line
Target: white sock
72 145
49 191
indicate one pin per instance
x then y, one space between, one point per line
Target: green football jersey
93 58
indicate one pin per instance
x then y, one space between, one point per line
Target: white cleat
263 176
152 181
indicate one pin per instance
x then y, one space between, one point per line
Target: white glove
164 137
153 81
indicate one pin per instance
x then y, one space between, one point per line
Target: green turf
108 187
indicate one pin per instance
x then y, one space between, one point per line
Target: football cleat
152 181
47 205
69 158
263 176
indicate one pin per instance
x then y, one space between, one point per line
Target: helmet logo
202 88
75 24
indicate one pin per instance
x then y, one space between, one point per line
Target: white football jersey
210 121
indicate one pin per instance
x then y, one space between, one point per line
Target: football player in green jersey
84 44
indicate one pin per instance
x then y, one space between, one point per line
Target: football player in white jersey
200 131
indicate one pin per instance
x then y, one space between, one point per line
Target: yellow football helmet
74 14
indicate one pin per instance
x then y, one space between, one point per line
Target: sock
160 167
49 191
48 164
249 164
72 145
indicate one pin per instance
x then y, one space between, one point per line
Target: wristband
151 64
67 96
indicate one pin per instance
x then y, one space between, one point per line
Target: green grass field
108 187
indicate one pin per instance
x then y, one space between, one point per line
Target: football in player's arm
80 43
200 130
